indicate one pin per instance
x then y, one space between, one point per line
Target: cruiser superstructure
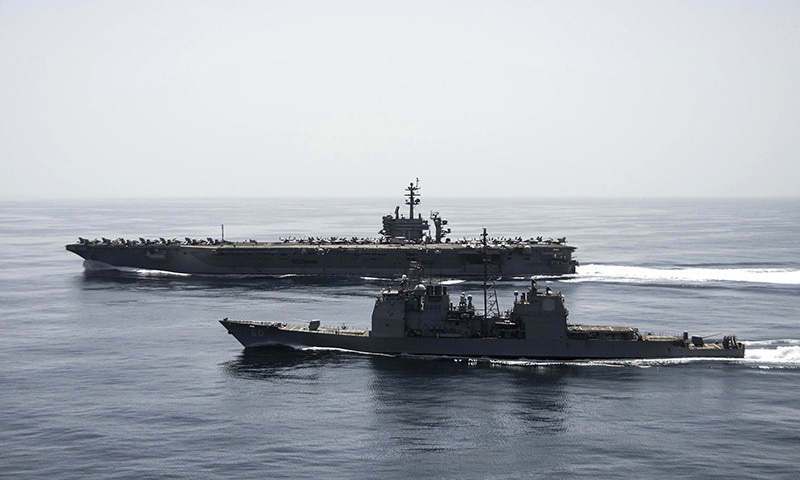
403 240
420 319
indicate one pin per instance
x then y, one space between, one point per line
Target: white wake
633 274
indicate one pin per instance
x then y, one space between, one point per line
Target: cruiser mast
489 292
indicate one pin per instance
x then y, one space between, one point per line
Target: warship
419 319
403 240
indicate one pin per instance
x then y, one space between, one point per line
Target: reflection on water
153 278
427 402
437 399
424 405
282 363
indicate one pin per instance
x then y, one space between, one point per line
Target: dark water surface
129 375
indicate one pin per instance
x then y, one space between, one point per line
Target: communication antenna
489 291
411 200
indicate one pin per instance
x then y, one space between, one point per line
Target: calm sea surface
129 375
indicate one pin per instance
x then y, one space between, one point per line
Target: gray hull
256 334
370 260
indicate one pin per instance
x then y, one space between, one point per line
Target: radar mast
412 199
490 306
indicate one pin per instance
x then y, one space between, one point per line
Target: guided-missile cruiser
422 319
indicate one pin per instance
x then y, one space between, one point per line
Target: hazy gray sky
305 98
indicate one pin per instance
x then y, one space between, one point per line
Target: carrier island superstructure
403 240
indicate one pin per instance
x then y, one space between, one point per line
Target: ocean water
129 375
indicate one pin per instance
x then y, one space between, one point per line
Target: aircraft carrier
403 240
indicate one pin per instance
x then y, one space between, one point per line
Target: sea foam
635 274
